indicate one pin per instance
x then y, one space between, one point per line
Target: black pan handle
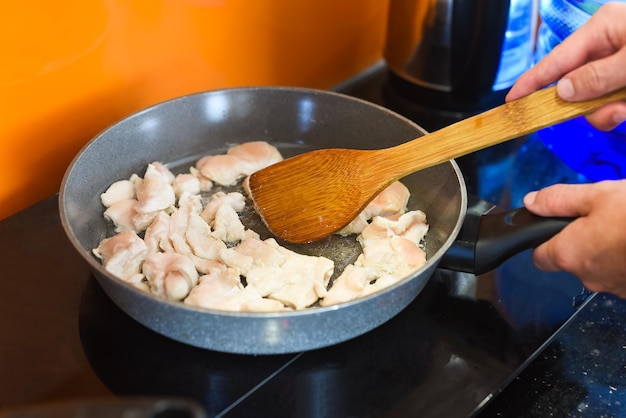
487 240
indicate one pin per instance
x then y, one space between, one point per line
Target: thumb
568 200
594 79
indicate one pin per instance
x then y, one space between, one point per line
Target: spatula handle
510 120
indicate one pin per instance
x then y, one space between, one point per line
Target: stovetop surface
461 342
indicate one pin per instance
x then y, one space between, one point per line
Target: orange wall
72 67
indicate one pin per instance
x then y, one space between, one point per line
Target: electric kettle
459 55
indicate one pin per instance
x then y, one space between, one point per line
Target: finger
608 117
559 254
545 72
542 259
570 54
594 79
570 200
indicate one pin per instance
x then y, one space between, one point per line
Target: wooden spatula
312 195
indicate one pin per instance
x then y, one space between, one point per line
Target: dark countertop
47 351
465 342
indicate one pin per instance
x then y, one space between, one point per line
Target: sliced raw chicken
259 154
391 201
118 191
156 192
164 171
170 275
123 255
391 251
234 199
199 238
221 214
380 284
396 256
239 162
240 272
186 183
350 285
275 272
188 205
264 253
411 225
156 235
205 183
225 170
122 214
223 290
305 279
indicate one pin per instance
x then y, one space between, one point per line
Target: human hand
589 63
593 246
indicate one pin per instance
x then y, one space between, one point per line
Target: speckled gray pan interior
179 131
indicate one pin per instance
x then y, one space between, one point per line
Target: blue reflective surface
595 154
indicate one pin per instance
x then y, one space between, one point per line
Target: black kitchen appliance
459 55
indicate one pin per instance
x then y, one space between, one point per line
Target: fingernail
529 199
565 89
619 117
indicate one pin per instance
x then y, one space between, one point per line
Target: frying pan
179 131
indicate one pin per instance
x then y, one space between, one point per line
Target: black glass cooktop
460 343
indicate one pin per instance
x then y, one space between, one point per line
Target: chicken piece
199 245
391 252
118 191
381 283
259 154
122 255
156 192
223 290
304 278
205 266
221 214
391 245
350 285
137 182
191 236
391 201
239 162
259 261
205 183
294 279
156 236
170 275
186 183
227 226
188 205
264 253
122 214
395 256
411 225
199 238
141 221
253 303
223 169
214 289
241 263
164 171
234 199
